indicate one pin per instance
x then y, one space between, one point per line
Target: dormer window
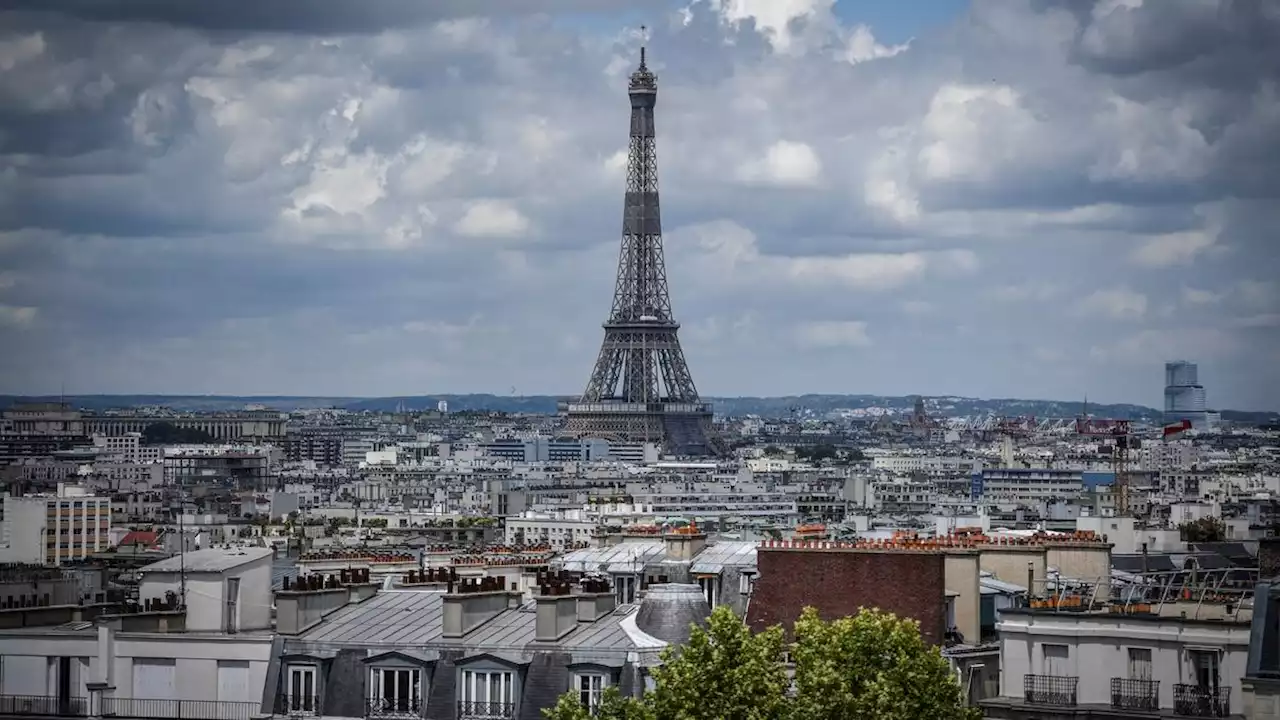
395 692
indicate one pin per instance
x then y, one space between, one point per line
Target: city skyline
999 199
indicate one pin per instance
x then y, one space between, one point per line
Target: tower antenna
644 38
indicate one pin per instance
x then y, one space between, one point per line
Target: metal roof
720 555
410 620
211 560
623 557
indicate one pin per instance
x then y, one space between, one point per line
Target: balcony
1131 694
399 707
1198 701
298 705
1058 690
149 709
145 709
43 706
486 711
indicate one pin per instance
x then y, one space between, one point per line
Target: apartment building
54 529
206 657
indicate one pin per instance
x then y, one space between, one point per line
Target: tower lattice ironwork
641 389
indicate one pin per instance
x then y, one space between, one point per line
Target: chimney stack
557 608
595 600
684 543
471 602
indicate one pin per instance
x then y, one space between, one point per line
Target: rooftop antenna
644 37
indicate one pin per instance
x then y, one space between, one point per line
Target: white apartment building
128 448
555 529
928 464
53 529
1137 665
139 665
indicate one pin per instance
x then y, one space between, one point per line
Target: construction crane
1121 442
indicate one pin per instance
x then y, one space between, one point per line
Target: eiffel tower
641 389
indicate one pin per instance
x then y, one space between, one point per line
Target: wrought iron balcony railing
298 705
155 709
1057 690
1198 701
486 711
43 705
397 707
1134 694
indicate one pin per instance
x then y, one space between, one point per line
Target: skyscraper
641 389
1184 396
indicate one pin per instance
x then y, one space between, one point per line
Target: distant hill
736 406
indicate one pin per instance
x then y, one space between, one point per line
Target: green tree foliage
874 666
1206 529
166 433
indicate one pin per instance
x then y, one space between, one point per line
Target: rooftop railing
43 706
157 709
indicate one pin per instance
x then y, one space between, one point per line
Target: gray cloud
406 197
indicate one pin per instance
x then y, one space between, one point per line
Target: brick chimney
595 599
472 602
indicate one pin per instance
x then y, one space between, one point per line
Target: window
746 581
302 694
624 588
487 694
710 588
1055 659
1139 663
590 688
394 691
1205 668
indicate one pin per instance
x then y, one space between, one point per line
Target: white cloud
1118 304
861 46
917 307
785 164
1195 296
833 334
492 219
1173 248
23 48
19 317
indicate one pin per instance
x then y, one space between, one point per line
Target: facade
641 389
1184 396
259 425
160 659
468 648
54 529
1098 664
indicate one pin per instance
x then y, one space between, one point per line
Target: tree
166 433
725 672
1205 529
872 666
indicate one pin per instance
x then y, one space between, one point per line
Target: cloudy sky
1028 198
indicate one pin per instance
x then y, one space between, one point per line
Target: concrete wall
1098 650
195 658
1009 564
206 595
961 576
1091 563
297 611
840 582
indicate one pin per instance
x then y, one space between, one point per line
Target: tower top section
643 81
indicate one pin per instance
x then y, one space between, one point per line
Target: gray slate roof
719 555
408 619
